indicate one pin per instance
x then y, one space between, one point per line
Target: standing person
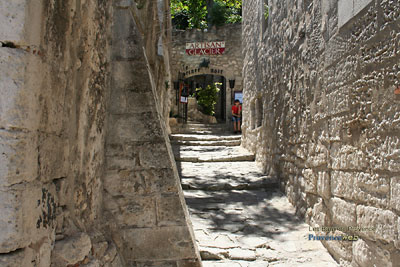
236 116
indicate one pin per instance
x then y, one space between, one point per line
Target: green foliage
207 98
266 11
189 14
218 13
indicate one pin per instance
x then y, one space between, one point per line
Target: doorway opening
202 81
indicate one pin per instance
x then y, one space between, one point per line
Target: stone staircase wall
144 205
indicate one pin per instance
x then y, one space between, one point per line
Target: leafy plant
266 11
199 14
218 13
207 98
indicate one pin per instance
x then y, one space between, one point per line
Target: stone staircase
239 216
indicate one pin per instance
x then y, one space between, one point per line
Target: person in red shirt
236 116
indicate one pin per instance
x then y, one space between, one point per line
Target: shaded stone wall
229 64
320 113
54 86
65 105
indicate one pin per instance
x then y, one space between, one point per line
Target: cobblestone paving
239 216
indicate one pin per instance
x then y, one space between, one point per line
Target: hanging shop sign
205 48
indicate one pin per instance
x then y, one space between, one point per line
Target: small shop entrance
201 81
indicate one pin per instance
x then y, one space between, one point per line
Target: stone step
200 127
218 255
200 131
215 176
206 143
230 263
214 125
212 154
194 137
194 185
249 157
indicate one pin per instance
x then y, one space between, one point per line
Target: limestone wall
54 86
321 113
75 84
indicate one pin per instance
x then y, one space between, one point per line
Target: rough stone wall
59 95
230 63
54 85
321 113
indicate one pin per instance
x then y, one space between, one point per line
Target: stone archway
228 63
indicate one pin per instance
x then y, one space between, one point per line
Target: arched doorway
202 81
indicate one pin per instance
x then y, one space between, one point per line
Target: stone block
18 157
53 157
319 215
383 223
368 254
348 158
337 102
13 18
310 181
170 210
343 184
132 212
130 75
395 193
318 155
343 212
28 215
131 102
134 128
72 250
121 163
159 151
126 38
15 259
339 249
151 243
372 188
336 129
386 154
17 105
323 185
128 182
360 186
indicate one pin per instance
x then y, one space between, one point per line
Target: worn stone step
215 176
249 157
192 184
212 154
200 127
200 131
230 263
204 125
206 143
194 137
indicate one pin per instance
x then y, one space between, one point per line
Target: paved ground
239 216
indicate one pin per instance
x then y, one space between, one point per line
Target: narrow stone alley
239 216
